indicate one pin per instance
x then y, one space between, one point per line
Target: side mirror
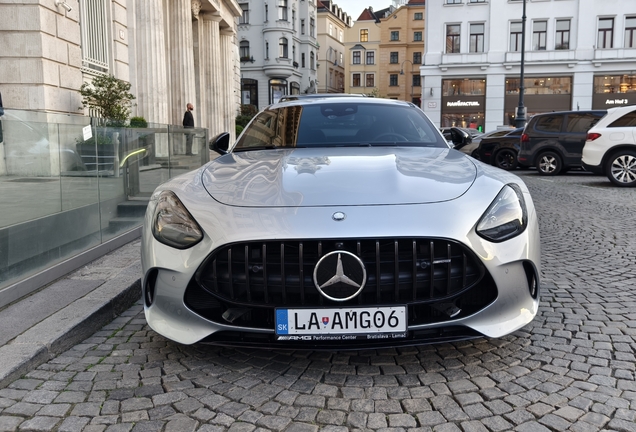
460 138
221 143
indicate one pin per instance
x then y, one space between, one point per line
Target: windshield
340 124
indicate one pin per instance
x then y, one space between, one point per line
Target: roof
369 14
417 2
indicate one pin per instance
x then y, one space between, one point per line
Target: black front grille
399 271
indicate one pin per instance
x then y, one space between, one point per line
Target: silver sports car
340 223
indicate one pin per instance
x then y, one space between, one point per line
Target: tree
109 98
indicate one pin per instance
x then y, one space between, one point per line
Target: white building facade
278 50
579 55
172 52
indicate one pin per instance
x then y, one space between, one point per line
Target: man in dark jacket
188 122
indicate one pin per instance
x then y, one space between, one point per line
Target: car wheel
621 168
506 159
549 163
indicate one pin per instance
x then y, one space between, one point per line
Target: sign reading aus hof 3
387 322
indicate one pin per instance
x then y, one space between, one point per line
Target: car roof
286 98
598 111
342 99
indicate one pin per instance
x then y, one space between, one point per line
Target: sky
354 8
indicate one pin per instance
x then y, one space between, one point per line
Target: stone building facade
278 49
333 22
171 51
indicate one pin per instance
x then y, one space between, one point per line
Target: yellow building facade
333 23
401 50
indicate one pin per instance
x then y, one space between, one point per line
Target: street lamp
402 73
520 117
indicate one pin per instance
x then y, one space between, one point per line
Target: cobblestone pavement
571 369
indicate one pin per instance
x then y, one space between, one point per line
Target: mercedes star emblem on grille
340 276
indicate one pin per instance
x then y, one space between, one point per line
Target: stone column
152 82
227 48
215 109
180 58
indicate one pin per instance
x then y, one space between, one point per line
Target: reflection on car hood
339 176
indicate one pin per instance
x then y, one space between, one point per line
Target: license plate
341 323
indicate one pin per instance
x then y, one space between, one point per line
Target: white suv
610 148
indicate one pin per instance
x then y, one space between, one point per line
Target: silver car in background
340 223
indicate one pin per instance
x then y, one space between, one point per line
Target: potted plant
109 98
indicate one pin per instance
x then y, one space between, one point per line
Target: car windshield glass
340 124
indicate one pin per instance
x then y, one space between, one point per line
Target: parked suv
553 142
610 148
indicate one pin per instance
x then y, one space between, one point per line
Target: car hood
340 176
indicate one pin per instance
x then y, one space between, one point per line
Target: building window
312 61
312 27
478 1
356 80
393 80
605 33
342 59
267 50
302 26
562 41
395 35
540 86
515 36
476 38
615 84
95 39
283 51
539 35
364 35
370 80
249 93
293 20
277 89
418 16
356 57
282 10
393 57
266 13
245 17
340 35
294 88
630 32
330 29
453 1
244 50
417 81
452 38
417 36
294 55
370 57
417 58
302 60
460 87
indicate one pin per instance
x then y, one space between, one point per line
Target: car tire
549 163
505 159
620 168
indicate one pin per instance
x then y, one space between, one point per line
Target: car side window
581 122
549 123
628 120
262 131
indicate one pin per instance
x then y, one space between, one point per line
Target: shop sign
432 104
617 102
461 103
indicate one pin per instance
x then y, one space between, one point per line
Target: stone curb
69 326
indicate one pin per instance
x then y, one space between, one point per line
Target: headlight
506 217
172 224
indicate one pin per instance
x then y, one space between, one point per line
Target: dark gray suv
553 142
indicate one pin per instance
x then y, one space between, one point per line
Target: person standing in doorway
188 122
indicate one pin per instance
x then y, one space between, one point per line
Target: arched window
282 48
294 88
302 60
244 50
312 62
